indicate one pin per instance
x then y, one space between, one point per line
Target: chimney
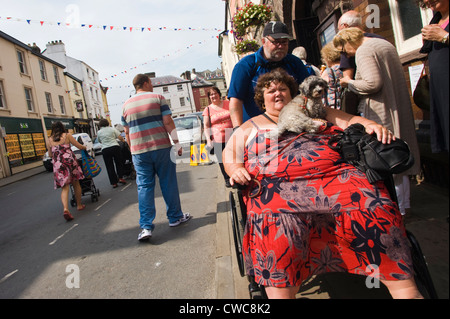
34 48
56 47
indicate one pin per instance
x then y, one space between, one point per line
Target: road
97 255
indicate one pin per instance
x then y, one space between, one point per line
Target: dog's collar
304 105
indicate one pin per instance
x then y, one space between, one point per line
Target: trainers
185 218
145 234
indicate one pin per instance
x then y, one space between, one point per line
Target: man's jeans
147 165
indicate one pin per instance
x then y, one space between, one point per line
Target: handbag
377 160
89 165
210 149
421 95
349 101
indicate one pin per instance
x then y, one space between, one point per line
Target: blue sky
111 52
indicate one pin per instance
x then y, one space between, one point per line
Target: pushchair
87 188
238 220
128 167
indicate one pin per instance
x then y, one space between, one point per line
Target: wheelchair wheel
237 224
422 274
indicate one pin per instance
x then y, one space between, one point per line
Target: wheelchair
238 213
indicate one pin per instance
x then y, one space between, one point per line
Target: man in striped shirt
147 120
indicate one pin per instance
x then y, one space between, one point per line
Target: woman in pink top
218 126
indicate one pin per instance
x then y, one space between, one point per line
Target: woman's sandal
67 215
82 207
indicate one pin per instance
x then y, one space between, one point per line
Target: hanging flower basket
250 15
245 46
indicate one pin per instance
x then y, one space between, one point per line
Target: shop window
24 148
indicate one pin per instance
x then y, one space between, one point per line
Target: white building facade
56 50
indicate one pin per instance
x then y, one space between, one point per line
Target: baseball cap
277 30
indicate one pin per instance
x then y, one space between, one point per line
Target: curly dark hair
279 76
58 130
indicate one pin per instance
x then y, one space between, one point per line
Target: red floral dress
316 214
65 165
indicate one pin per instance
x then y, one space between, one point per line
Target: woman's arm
75 142
344 120
233 156
207 126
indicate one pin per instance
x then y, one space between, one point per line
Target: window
56 73
48 98
328 34
165 89
182 101
29 99
407 20
42 70
204 102
61 104
179 87
2 96
202 92
75 88
92 93
22 64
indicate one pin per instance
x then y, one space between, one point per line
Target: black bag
349 101
421 94
377 160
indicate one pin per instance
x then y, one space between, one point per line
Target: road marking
102 204
125 187
62 235
8 275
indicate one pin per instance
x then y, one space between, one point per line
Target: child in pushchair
128 168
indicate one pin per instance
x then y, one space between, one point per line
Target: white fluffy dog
303 112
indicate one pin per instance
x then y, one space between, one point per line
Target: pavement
428 221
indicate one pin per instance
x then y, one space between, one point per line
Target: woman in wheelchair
308 212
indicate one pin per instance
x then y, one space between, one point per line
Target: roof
167 80
9 38
200 82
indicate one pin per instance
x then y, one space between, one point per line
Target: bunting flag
108 27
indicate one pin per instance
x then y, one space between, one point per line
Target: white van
84 139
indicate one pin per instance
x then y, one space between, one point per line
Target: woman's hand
240 176
384 135
433 32
344 81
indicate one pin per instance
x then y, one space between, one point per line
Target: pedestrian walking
112 153
147 121
66 169
217 126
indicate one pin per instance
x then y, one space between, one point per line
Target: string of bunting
124 72
107 27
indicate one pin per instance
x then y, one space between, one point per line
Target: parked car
189 129
97 146
81 138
